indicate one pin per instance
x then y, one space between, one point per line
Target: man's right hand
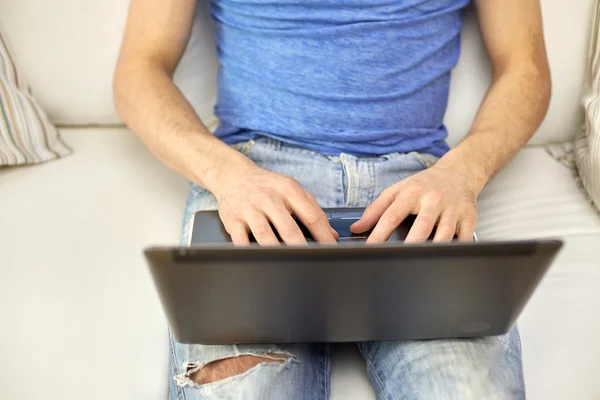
251 199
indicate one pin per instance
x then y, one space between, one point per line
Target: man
327 104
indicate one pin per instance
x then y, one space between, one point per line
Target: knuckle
288 182
288 230
390 191
474 214
470 217
268 194
391 218
314 217
230 226
414 186
377 238
262 230
470 207
467 226
452 211
310 197
422 229
425 221
230 221
446 231
435 198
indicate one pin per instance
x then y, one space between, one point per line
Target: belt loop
274 144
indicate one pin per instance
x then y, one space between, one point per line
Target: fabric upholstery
82 314
535 196
26 135
587 143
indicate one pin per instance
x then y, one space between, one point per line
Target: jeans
480 368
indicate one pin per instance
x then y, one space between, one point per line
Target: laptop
214 293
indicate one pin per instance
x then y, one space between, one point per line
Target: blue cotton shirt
364 77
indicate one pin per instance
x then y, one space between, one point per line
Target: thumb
373 213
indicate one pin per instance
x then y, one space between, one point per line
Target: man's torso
363 77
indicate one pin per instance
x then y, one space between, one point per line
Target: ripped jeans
481 368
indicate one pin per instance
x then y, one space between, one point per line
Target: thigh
304 375
479 368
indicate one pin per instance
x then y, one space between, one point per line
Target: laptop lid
346 292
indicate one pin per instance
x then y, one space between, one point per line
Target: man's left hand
438 196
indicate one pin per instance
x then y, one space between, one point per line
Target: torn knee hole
232 366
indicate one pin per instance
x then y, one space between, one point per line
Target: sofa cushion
78 304
535 196
82 315
558 324
72 71
26 135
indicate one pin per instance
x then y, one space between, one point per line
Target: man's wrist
466 163
215 161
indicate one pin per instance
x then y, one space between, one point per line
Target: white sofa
79 316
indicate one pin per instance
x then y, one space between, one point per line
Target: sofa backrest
68 48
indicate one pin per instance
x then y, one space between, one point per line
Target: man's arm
250 198
518 98
513 108
147 99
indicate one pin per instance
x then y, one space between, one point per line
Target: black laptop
214 293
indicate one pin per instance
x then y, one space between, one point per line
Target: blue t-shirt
364 77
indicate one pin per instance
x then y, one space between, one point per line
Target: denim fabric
481 368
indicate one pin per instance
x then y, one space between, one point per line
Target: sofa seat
80 314
535 196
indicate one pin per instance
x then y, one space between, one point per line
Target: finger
335 234
446 228
390 220
314 201
373 213
466 229
313 218
288 229
311 198
423 225
239 234
261 229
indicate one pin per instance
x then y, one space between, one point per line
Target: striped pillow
587 143
26 134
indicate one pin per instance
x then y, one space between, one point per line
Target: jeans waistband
270 143
274 144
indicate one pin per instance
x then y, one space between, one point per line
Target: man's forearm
512 110
153 107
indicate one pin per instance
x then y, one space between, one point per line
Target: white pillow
587 142
26 135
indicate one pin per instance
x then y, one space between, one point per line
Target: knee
228 367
